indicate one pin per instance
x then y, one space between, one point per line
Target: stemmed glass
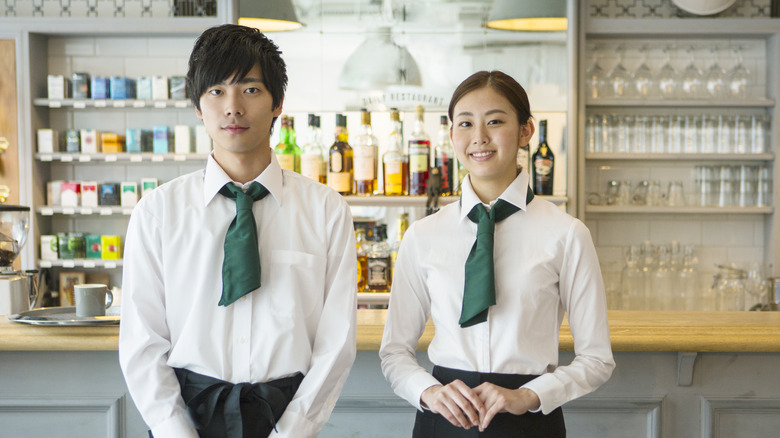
619 77
667 77
692 78
738 77
715 77
594 76
643 76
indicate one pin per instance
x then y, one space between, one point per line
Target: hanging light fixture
268 15
379 62
528 15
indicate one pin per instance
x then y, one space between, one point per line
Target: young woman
496 368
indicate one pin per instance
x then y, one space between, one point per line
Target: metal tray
64 316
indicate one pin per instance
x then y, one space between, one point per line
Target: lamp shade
268 15
377 63
528 15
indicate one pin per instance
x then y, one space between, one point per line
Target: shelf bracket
685 363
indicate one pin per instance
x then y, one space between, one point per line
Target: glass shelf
691 103
632 209
615 156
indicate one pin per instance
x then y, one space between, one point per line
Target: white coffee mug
92 299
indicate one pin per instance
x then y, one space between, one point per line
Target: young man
202 354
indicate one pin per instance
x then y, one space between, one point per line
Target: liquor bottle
285 154
523 157
379 264
294 144
394 162
365 157
325 159
444 158
311 156
543 164
419 156
362 259
402 224
340 159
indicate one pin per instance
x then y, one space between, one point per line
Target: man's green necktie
479 291
241 267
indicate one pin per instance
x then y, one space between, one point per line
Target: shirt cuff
293 425
545 387
177 426
417 385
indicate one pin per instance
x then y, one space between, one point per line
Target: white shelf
631 209
122 104
72 157
373 297
614 156
81 263
46 210
690 103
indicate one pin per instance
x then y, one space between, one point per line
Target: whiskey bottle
285 153
394 161
365 157
311 156
419 156
379 264
444 158
543 164
340 159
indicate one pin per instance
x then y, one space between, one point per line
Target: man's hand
456 402
497 399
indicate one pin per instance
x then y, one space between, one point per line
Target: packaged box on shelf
129 195
93 246
49 247
121 88
108 194
147 185
64 252
72 141
160 87
99 87
54 192
178 87
90 141
48 141
58 87
202 140
112 143
182 143
138 140
143 88
71 246
89 196
160 142
111 247
80 85
70 194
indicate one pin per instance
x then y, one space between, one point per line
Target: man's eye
215 92
252 90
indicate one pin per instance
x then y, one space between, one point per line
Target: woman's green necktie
241 266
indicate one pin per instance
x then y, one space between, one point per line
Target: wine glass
715 77
594 76
619 77
666 81
738 77
692 81
643 76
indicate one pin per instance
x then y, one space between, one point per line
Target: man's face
238 116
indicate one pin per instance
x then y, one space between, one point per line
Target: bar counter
629 330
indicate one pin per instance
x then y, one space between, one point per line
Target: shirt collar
215 178
515 194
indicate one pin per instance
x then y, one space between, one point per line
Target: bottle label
340 182
418 162
543 166
378 271
364 163
286 161
311 166
336 162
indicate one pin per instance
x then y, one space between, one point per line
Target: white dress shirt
545 264
302 318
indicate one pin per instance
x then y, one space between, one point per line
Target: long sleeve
334 349
144 337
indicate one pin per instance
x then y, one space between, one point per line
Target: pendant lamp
268 15
528 15
379 62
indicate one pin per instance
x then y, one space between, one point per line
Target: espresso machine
17 289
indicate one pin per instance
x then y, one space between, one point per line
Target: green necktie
479 292
241 267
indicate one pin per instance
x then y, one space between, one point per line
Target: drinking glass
756 286
675 196
661 282
742 134
759 134
676 133
654 196
748 176
632 280
613 191
594 76
688 279
692 135
764 195
591 135
659 135
725 134
641 143
715 78
726 195
709 141
624 193
619 78
667 79
642 79
692 79
738 77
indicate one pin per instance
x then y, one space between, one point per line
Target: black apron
503 425
222 409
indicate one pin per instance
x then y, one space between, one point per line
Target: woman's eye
464 124
495 122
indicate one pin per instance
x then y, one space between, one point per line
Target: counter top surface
629 330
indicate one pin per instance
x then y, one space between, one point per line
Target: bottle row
675 134
82 86
73 246
402 166
182 139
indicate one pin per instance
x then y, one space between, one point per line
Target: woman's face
486 135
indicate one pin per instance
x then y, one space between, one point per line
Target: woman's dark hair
503 84
223 51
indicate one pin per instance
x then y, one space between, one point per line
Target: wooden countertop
629 330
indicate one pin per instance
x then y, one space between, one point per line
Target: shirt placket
484 345
242 318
